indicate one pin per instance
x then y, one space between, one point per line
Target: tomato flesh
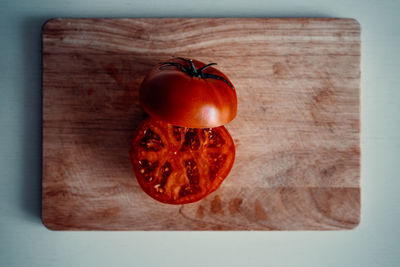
179 165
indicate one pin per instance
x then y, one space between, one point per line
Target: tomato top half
188 93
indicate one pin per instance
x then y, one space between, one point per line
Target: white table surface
24 241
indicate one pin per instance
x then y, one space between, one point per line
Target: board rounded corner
47 23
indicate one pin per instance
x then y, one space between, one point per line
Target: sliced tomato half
179 165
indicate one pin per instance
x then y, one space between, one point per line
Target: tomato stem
193 68
193 71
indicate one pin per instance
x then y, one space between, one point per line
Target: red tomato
188 93
179 165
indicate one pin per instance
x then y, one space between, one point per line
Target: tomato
179 165
182 152
188 93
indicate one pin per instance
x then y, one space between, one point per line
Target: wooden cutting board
297 132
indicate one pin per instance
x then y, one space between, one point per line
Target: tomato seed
151 141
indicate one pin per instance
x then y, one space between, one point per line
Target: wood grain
297 132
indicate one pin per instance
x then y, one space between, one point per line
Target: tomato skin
171 95
179 165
